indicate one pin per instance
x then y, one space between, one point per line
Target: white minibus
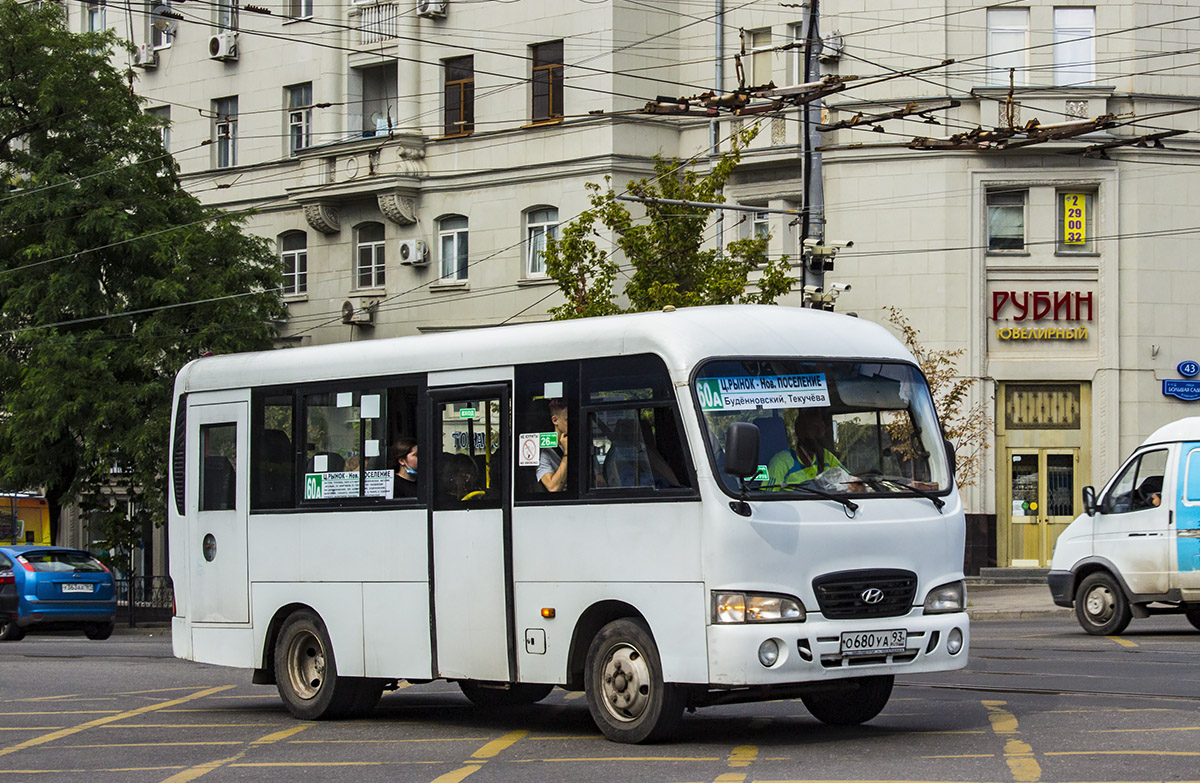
1135 551
685 557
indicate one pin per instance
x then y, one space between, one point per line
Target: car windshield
62 562
840 427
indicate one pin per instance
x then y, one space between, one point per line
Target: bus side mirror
741 449
1089 501
951 459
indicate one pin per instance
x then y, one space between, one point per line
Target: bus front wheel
623 680
306 673
1101 606
851 707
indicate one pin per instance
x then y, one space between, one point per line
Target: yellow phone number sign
1074 219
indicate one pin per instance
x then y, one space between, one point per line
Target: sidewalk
1011 602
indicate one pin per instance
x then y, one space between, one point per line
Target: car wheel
10 631
624 684
100 631
1192 613
515 695
863 700
1101 606
306 673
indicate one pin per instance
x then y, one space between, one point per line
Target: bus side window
218 466
539 390
272 453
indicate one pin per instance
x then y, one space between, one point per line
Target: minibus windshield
841 427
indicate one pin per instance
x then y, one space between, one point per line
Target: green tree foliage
111 275
966 426
664 249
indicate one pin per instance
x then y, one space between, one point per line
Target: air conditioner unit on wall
431 8
414 252
223 46
147 57
359 311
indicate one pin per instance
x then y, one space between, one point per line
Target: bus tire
1192 613
306 671
623 679
851 706
517 694
1101 606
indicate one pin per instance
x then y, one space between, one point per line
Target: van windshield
841 427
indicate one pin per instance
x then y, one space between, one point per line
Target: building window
94 18
1006 220
300 9
452 240
378 104
459 95
757 64
1007 44
160 38
227 14
299 117
1074 46
370 255
225 112
293 252
760 225
540 224
163 113
547 80
1075 222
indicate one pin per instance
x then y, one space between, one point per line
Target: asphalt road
1040 701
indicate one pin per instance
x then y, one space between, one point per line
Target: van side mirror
1089 501
951 459
741 449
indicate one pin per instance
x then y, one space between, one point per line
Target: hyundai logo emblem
872 595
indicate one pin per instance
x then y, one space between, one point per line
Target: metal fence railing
152 599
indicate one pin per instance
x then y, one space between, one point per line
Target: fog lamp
954 641
768 653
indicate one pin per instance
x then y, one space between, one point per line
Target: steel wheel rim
625 683
306 664
1100 604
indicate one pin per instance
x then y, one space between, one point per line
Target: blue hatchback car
47 587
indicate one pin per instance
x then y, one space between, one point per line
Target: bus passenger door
472 534
217 563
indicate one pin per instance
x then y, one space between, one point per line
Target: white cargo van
1136 549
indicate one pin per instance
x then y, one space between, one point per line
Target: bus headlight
757 608
947 598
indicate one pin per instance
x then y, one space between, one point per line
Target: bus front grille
854 595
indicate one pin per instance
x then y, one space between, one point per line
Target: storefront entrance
1041 442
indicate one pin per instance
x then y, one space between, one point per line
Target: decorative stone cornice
401 210
323 218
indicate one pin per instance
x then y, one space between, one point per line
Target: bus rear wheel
306 674
623 680
515 695
853 705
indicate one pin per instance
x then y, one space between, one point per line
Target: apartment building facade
410 158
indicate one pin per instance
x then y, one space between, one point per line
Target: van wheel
10 631
851 706
1192 613
306 674
1101 606
99 631
515 695
623 680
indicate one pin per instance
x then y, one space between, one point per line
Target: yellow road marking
730 777
150 744
1017 754
48 698
1123 753
743 755
55 735
458 774
1142 731
60 712
590 759
386 741
186 725
1122 642
201 770
573 695
29 728
497 745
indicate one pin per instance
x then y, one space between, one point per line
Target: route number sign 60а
1074 219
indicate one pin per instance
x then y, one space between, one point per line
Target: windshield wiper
876 479
849 504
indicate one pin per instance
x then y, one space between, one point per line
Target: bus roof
682 337
1181 430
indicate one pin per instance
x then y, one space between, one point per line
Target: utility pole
812 210
714 126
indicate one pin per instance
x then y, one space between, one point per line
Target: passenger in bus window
810 457
552 463
404 456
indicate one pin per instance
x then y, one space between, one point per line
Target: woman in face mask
404 456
